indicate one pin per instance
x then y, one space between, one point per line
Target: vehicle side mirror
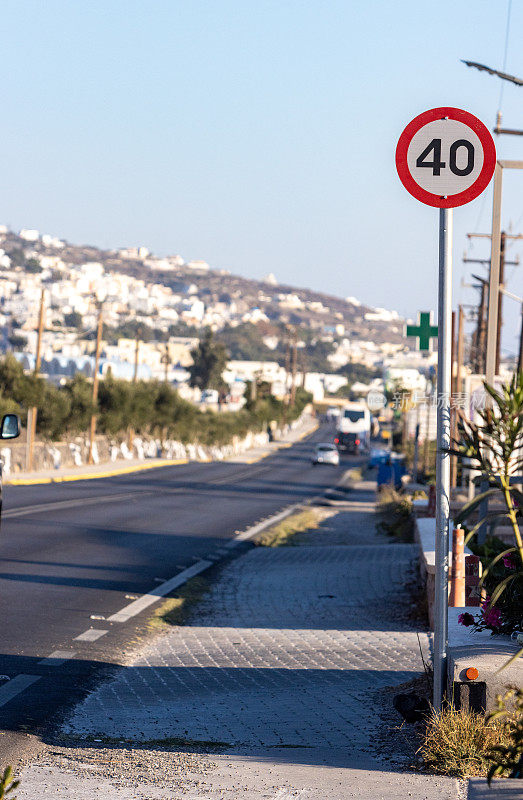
10 427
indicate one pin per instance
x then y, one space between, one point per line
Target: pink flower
509 561
491 616
466 619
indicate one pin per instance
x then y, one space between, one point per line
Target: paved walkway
285 663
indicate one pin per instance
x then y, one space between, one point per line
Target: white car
325 453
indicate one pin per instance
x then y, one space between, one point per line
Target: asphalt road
72 554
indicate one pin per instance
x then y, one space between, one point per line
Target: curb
171 462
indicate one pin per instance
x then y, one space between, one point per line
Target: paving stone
282 651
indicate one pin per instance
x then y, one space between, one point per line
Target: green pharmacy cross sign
424 331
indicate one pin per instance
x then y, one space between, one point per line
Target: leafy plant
7 784
495 448
508 758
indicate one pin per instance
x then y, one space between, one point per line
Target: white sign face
445 157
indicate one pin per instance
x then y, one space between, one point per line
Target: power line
507 33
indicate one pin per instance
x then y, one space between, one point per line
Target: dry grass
458 742
395 517
283 532
174 610
355 474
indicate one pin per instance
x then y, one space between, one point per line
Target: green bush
148 407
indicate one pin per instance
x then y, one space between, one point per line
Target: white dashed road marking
15 686
90 635
57 658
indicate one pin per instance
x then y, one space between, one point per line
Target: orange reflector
471 673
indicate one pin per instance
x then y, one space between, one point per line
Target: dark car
9 429
354 443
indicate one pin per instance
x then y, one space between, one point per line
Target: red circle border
481 182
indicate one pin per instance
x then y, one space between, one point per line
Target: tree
209 361
32 265
28 390
73 320
17 341
79 393
54 412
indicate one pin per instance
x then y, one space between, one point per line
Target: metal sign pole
442 457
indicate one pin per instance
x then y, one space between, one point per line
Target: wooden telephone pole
33 412
294 364
136 355
92 429
502 264
457 358
166 361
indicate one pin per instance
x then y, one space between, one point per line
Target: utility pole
478 356
481 329
294 364
457 346
136 353
303 369
502 264
135 376
287 370
92 430
453 416
461 347
427 428
166 361
33 412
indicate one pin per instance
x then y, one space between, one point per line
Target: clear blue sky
258 135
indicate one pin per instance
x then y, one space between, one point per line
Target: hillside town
155 309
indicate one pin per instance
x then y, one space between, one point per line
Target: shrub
459 742
395 517
148 407
508 758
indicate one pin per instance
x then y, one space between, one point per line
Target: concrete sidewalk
277 687
123 467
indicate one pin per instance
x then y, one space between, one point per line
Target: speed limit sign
445 157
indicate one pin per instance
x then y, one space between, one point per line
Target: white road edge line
15 686
160 591
165 588
90 635
250 532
